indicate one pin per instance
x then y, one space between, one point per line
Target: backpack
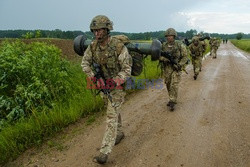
137 58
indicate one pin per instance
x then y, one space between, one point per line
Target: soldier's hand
177 67
118 82
110 84
163 59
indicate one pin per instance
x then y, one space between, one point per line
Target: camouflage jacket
196 51
178 50
204 46
114 59
214 42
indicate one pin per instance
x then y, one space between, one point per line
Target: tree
28 35
38 34
190 33
239 36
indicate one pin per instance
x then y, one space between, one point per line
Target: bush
239 36
40 94
32 77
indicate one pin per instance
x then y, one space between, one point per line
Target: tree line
57 33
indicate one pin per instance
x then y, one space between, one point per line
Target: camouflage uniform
197 55
204 46
214 45
172 73
115 63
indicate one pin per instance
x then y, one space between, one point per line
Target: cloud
219 22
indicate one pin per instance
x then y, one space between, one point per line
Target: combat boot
171 106
195 76
101 158
168 104
119 138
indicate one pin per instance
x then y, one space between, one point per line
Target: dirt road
209 128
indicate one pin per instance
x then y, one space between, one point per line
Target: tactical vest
107 57
110 64
197 50
174 49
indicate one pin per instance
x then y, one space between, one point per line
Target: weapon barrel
80 44
154 49
144 48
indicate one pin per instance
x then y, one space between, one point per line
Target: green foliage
133 36
38 34
41 93
242 44
239 36
32 76
190 33
28 35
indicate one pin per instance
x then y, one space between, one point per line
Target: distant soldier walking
172 71
115 63
196 49
204 46
214 45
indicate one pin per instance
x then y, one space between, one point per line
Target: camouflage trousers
113 125
172 79
197 64
213 52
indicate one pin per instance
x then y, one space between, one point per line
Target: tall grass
14 139
72 100
242 44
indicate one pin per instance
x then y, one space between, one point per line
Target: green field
242 44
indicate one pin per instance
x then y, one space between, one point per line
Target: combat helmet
170 31
199 35
101 21
195 39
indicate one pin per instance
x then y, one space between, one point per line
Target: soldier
172 72
196 49
204 46
115 62
214 45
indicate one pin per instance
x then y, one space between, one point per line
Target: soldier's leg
193 63
120 135
113 112
109 136
118 96
173 93
214 53
119 126
167 78
111 130
203 55
196 68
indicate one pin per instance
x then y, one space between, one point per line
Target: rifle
173 61
99 76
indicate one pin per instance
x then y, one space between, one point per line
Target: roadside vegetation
41 93
242 44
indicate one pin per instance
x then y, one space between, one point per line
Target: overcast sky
213 16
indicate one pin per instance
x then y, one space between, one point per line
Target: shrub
32 76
